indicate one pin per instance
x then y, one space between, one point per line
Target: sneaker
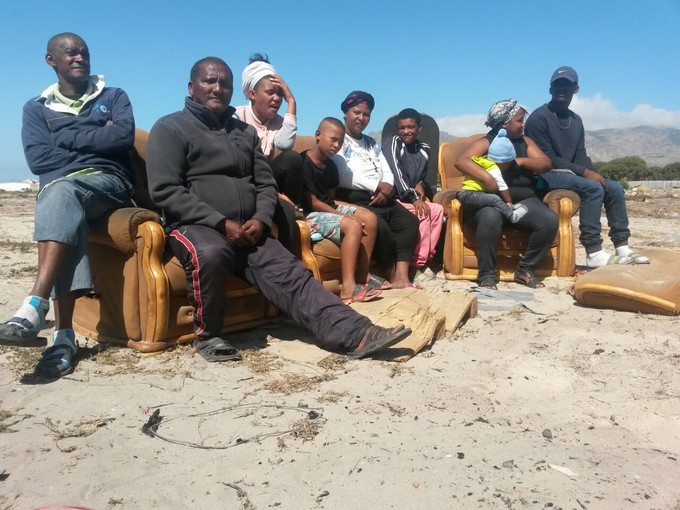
20 333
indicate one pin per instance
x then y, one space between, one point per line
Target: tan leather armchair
140 296
460 258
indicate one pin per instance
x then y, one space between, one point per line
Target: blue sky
442 58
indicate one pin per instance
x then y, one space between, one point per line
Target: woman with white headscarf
265 91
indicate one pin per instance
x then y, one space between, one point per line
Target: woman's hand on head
277 81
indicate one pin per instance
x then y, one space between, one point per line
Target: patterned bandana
501 113
355 98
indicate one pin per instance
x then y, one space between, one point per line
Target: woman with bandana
539 221
367 180
265 91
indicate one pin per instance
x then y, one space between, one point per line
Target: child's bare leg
370 223
352 231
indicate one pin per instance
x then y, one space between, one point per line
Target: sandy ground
535 403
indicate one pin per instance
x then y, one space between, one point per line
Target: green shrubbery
634 168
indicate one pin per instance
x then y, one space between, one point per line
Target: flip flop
378 338
361 294
376 282
216 349
56 361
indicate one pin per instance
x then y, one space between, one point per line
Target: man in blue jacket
77 137
208 174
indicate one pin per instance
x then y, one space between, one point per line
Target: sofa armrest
306 249
119 229
444 198
563 201
453 244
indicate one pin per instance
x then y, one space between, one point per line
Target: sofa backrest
429 135
138 155
449 176
304 143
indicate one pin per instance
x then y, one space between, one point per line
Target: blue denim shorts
328 224
62 212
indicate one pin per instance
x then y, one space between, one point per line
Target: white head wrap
253 73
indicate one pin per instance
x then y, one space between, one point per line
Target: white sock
597 259
623 250
34 309
64 336
519 210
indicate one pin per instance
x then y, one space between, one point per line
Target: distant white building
25 185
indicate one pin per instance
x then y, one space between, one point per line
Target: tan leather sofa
460 258
140 296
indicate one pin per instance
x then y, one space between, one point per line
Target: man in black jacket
208 174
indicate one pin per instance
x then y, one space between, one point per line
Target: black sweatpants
540 222
397 228
209 259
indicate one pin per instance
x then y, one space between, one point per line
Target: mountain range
658 146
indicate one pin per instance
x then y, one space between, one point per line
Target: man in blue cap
559 133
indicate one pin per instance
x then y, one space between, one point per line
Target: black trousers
397 228
540 221
209 259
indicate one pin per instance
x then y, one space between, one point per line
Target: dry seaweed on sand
294 383
332 397
334 362
259 361
305 428
83 428
22 360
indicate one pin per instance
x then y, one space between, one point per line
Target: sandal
636 258
56 361
216 349
361 294
20 332
528 278
487 282
376 282
377 338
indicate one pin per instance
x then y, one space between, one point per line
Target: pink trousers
429 230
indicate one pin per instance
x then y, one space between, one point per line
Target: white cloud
600 113
597 113
462 125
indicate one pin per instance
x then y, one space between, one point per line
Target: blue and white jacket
408 164
58 141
